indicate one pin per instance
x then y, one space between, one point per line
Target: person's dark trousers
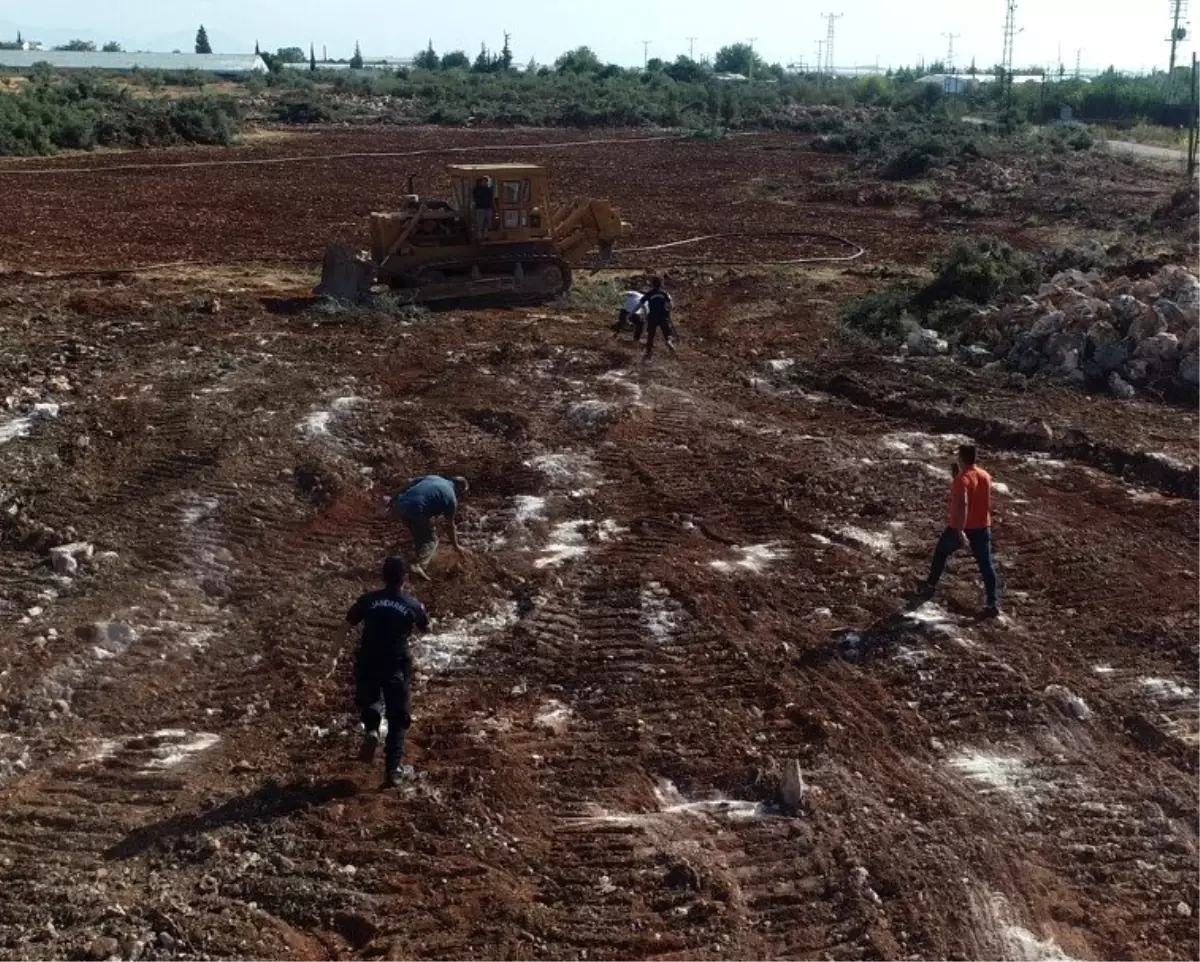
652 327
980 541
425 539
639 321
383 688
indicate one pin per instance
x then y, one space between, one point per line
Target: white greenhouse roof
228 63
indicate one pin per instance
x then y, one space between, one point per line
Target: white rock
1190 342
1161 350
1069 701
1119 387
1180 285
1170 312
44 411
924 342
64 564
1137 371
1184 910
791 788
1039 428
1102 333
1147 324
591 413
1047 324
1125 308
1189 368
76 549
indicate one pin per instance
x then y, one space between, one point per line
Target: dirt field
684 575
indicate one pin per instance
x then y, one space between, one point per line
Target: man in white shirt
632 313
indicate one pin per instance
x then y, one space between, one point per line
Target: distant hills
183 40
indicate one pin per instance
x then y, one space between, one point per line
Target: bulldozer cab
521 199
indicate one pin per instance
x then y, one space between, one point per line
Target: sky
1129 35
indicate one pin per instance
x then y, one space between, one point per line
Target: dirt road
685 575
1148 151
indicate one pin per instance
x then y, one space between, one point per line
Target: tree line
87 46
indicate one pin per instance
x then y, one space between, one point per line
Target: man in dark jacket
658 305
383 665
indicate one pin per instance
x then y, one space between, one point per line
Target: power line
820 57
831 17
691 48
645 54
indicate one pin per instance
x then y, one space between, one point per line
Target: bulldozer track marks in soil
670 564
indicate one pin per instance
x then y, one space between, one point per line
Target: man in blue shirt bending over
427 499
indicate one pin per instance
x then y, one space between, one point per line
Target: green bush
81 112
882 314
910 163
302 108
978 270
205 120
972 273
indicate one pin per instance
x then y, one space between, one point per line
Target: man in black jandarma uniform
383 665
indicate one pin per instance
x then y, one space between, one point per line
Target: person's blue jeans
980 541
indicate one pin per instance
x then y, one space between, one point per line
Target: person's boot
924 591
991 611
398 776
370 743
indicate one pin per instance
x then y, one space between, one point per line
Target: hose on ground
355 155
859 250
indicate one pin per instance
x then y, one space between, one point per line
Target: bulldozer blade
346 275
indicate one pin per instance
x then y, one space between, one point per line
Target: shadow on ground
271 801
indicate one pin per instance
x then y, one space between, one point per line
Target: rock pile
1123 333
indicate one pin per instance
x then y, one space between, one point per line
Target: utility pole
1193 127
1006 61
645 54
832 18
820 57
950 51
1078 61
691 48
1178 12
750 75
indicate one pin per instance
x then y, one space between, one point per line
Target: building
950 83
224 64
369 66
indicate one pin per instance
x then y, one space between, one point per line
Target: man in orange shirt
970 525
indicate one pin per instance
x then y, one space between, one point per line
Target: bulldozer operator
483 198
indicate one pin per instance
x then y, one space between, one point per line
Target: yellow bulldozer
434 249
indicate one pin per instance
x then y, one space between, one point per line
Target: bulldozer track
484 264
